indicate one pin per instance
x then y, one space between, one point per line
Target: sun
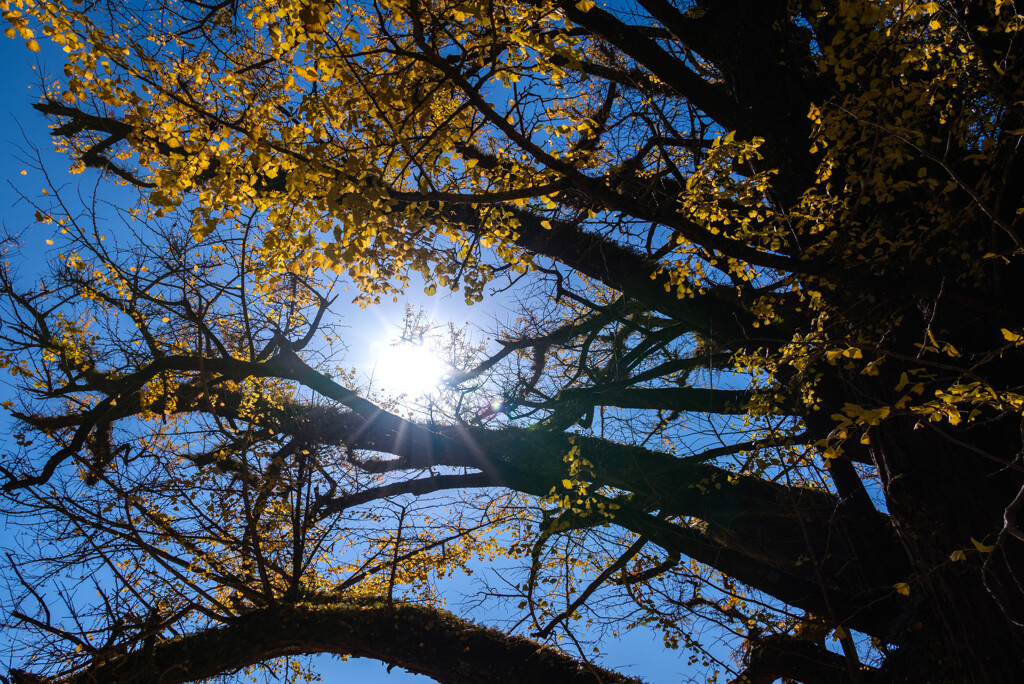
409 369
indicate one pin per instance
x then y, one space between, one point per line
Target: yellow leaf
567 484
984 548
958 555
1010 336
585 5
32 45
902 588
546 224
160 199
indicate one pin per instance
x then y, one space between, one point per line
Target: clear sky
639 653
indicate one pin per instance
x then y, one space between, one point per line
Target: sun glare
408 369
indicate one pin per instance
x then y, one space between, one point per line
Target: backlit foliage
766 374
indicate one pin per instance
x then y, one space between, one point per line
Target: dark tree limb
421 640
780 655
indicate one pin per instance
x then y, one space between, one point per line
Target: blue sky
640 653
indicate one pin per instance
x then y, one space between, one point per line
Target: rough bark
421 640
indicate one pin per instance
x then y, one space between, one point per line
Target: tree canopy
767 373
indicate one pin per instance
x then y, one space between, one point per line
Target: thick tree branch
779 655
421 640
711 98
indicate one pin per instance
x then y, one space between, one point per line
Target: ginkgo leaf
983 548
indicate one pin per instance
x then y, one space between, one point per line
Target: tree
806 214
